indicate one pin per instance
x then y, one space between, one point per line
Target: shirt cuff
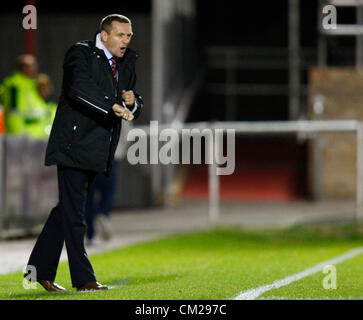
135 106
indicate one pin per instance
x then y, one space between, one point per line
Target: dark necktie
114 69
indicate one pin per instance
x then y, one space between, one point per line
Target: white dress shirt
109 57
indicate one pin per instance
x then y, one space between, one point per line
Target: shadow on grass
40 295
69 293
144 280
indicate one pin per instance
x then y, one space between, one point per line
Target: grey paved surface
130 227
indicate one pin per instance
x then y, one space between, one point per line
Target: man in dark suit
98 92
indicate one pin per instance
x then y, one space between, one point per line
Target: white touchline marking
256 292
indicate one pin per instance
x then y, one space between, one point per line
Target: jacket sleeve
139 103
79 85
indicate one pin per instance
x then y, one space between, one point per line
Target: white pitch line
256 292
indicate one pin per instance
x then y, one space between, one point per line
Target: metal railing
28 189
173 67
311 128
233 59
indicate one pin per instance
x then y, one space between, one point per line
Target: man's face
118 39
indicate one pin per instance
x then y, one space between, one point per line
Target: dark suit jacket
85 131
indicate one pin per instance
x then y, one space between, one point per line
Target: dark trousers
66 223
105 188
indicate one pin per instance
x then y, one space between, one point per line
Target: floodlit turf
217 265
349 285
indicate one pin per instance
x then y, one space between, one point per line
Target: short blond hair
106 22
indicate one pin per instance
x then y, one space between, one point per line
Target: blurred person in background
98 92
25 110
99 204
102 194
45 87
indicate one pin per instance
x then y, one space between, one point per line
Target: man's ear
104 36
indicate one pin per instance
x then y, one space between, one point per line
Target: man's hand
122 112
128 97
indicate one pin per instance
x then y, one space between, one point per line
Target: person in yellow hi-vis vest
45 87
26 112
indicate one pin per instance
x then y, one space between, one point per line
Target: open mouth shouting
123 50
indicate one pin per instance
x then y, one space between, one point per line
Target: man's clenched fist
128 97
122 112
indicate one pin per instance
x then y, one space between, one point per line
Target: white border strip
256 292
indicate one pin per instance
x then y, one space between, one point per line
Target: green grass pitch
218 264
